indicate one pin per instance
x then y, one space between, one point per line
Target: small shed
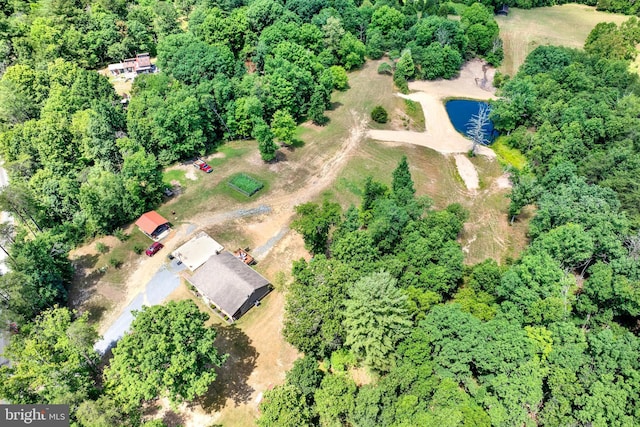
229 285
503 10
154 225
197 251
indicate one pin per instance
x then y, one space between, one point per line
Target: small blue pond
460 112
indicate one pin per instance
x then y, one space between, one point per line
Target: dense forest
81 165
547 339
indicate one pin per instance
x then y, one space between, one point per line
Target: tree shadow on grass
280 157
85 279
231 382
295 144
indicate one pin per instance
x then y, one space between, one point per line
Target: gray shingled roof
227 281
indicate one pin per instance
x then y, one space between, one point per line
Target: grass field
245 184
566 25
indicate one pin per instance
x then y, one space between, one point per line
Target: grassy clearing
174 175
566 25
508 156
125 254
415 113
245 184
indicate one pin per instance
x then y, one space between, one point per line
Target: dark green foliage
562 94
39 277
192 61
285 406
385 68
404 71
263 134
335 399
314 313
101 413
375 319
609 41
486 276
379 114
402 184
54 344
314 222
306 376
317 106
169 352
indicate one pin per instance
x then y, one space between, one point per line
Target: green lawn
174 175
566 25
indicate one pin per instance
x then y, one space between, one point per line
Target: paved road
163 283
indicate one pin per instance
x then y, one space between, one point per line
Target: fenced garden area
245 184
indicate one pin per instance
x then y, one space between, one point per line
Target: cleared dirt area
565 25
332 162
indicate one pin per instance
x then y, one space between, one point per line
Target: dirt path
281 203
474 82
270 356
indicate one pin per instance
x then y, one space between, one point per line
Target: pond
460 112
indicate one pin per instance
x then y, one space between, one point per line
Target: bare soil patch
467 172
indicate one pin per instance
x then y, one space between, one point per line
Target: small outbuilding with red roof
154 225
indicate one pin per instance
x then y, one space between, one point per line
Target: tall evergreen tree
376 318
402 183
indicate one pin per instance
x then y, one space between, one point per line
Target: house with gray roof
228 285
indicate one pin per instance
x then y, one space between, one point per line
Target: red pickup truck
203 166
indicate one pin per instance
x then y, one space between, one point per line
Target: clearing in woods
332 162
566 25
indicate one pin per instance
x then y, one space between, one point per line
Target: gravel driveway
163 283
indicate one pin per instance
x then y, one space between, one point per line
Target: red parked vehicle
154 248
203 166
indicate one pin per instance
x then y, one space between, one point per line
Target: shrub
115 262
385 68
121 235
401 83
102 248
379 114
342 359
138 248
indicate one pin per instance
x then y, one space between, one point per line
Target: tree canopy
168 352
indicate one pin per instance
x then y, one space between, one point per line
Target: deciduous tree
168 352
